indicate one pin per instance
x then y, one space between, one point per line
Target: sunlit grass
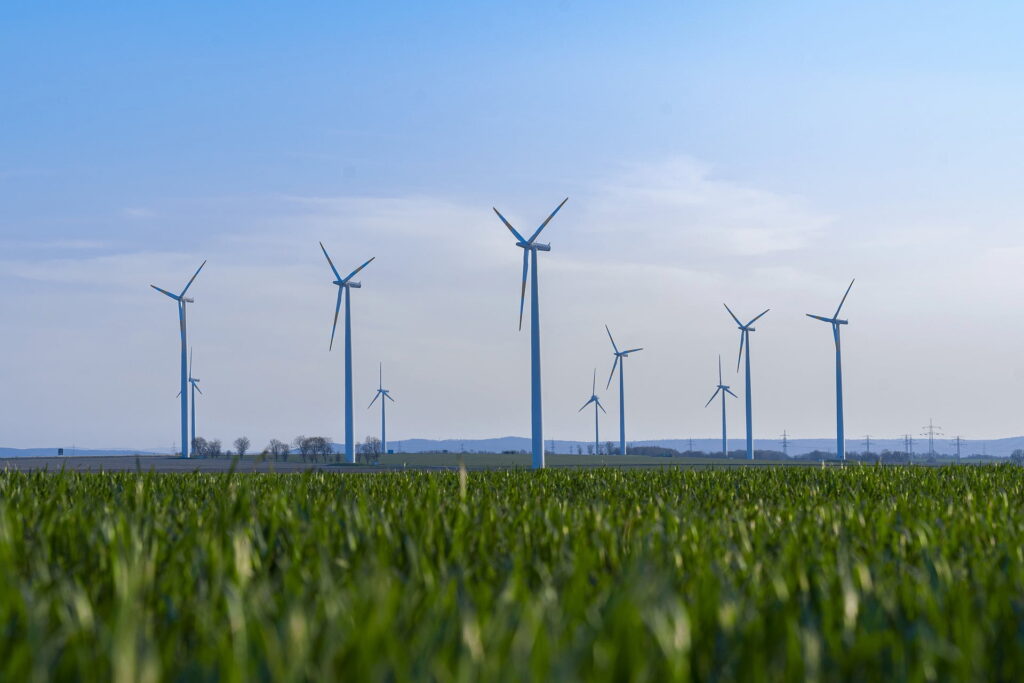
788 573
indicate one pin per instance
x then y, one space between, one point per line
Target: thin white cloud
678 209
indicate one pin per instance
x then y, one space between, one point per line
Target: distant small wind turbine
382 394
345 285
620 362
194 382
722 389
530 249
597 404
182 302
745 331
836 322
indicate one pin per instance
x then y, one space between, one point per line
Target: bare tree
302 446
370 450
320 447
212 449
242 444
277 449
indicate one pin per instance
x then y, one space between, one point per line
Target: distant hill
995 447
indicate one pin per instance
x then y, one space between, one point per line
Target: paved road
165 463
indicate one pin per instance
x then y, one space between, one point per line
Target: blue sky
761 153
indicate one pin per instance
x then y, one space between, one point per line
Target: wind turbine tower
183 301
194 383
722 389
597 404
620 362
345 286
835 322
530 248
745 331
384 395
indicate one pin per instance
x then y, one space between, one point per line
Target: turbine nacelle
528 245
342 283
833 321
181 297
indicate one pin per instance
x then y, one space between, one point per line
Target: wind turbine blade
634 350
375 397
337 275
756 319
190 363
844 297
388 397
522 294
509 226
602 408
593 389
585 405
731 394
197 388
164 291
712 397
743 337
353 273
820 317
733 315
719 368
614 364
337 309
178 395
610 337
545 223
380 375
193 278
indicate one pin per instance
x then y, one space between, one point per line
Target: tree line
308 448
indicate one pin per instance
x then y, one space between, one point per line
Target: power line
957 439
931 431
785 443
867 444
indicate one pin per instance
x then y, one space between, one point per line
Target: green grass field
750 574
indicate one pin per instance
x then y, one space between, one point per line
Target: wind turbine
382 394
722 389
345 285
745 331
194 382
183 301
597 404
836 322
620 362
530 248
